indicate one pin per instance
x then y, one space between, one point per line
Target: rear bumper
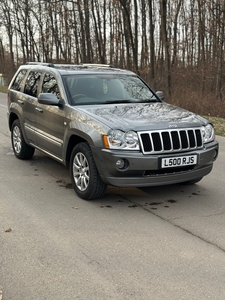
145 170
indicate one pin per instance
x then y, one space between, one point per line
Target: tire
85 178
190 182
20 148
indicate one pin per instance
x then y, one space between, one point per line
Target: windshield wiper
149 100
132 101
120 101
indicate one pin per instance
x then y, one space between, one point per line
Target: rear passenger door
27 100
50 120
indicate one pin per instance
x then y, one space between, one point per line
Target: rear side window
32 83
50 85
17 83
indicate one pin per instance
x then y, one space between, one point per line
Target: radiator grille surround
170 140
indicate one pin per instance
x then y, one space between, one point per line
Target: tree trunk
165 44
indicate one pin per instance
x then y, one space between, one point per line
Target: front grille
165 141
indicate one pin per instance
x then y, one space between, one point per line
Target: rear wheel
20 148
85 178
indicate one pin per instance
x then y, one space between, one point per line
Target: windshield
103 89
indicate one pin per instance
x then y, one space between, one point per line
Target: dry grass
3 89
219 124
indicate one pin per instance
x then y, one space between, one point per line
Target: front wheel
85 178
20 148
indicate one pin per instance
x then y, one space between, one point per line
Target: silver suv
108 126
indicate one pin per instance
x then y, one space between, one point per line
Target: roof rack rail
40 63
70 65
97 65
65 65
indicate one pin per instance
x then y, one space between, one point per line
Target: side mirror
160 95
49 99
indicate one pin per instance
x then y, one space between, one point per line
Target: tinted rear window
17 83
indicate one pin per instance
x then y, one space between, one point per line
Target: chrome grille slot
166 141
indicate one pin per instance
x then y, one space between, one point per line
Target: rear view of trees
177 46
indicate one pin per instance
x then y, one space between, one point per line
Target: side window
32 82
50 85
17 83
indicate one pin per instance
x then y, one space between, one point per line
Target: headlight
208 133
117 139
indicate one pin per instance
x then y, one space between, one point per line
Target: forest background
176 46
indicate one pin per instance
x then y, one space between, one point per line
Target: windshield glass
100 89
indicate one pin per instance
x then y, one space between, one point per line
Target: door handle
39 109
20 101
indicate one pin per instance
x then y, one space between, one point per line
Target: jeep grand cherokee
108 126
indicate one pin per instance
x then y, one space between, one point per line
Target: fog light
120 163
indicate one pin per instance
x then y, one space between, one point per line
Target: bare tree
163 10
159 39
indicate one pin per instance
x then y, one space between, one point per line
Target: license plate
179 161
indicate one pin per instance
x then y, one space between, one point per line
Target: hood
141 116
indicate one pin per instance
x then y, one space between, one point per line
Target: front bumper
145 170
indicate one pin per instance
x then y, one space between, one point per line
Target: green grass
219 124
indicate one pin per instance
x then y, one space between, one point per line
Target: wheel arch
73 141
76 136
12 117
